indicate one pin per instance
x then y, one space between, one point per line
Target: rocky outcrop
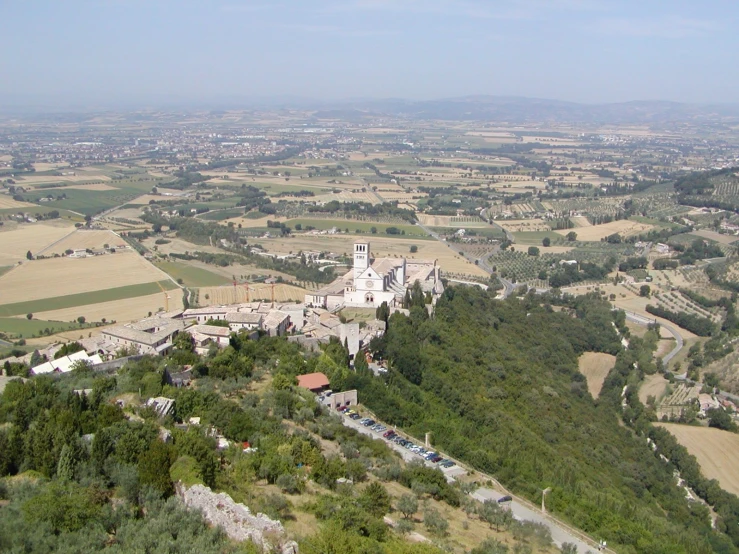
236 520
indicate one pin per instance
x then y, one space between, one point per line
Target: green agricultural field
21 327
83 299
91 202
354 225
88 202
535 237
192 276
220 215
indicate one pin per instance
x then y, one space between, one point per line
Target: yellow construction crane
166 297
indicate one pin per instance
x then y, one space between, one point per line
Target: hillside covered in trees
497 384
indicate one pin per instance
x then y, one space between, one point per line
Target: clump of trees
701 326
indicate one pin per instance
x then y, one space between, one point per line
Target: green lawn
193 276
22 327
353 226
83 299
535 237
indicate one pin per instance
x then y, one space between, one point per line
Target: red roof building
314 382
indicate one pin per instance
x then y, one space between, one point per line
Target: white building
374 281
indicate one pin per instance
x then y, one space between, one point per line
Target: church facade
374 281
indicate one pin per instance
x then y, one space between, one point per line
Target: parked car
342 408
369 423
388 434
505 498
436 459
381 428
354 416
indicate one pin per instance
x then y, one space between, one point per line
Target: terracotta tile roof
313 381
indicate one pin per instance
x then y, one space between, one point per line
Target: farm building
314 382
374 281
65 364
241 320
218 335
152 335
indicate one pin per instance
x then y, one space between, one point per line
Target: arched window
369 298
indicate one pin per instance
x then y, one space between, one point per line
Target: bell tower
361 257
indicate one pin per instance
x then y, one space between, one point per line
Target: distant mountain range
523 110
511 109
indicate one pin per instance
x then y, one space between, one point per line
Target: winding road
644 320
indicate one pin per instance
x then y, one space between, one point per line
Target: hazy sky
110 51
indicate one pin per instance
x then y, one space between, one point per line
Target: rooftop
313 381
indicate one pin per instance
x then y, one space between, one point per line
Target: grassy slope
22 327
193 276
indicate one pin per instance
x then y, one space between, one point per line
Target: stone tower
361 257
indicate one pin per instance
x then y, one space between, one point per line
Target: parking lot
408 450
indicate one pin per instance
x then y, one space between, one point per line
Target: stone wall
236 520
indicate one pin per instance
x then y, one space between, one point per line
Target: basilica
374 281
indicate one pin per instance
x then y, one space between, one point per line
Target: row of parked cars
397 439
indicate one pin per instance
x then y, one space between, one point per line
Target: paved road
520 511
644 320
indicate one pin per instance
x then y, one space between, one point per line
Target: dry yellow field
95 186
449 221
18 240
31 180
524 225
117 310
624 227
246 223
555 249
595 366
345 196
233 295
715 450
7 203
718 237
144 199
84 239
62 276
381 247
653 385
